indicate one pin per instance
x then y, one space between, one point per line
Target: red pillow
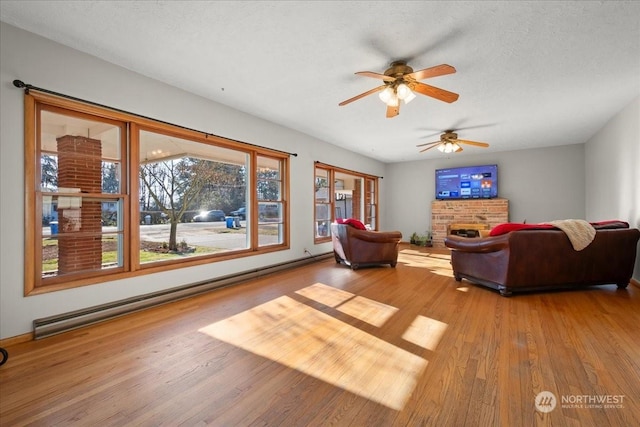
354 223
515 226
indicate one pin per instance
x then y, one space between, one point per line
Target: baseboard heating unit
77 319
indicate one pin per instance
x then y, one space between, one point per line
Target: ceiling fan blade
458 150
430 147
455 128
438 70
427 143
376 76
430 135
393 111
434 92
458 128
362 95
476 143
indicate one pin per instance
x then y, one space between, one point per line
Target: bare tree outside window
174 185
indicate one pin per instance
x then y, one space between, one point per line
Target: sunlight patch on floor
373 312
435 262
425 332
327 295
315 343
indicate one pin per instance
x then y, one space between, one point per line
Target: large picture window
185 191
111 195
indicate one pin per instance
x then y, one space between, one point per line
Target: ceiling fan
400 81
449 143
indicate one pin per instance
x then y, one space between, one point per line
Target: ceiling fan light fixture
386 94
449 147
449 143
393 101
403 91
410 97
400 82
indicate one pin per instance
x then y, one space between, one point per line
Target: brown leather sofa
357 248
529 260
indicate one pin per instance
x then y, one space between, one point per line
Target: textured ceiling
529 74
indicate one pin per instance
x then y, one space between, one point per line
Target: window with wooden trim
271 204
340 193
112 195
324 202
78 194
186 191
371 202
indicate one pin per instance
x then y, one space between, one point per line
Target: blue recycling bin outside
54 227
229 222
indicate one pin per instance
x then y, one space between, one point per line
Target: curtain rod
27 87
318 162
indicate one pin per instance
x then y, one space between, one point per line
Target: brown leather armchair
357 248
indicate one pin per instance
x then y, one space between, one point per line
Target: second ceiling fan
400 81
449 143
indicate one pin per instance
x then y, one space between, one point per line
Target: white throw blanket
579 231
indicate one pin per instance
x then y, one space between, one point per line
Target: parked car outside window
268 211
242 213
208 216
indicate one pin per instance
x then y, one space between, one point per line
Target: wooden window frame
371 201
35 284
370 198
283 211
329 205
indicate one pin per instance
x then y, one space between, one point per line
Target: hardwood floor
324 345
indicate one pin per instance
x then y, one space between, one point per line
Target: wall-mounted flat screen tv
468 182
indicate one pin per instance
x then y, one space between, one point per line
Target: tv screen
469 182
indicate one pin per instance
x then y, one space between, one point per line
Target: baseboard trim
18 339
65 322
635 282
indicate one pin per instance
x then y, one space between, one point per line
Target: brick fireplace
446 212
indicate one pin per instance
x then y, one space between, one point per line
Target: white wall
43 63
541 184
613 171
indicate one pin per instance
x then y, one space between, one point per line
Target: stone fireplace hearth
444 213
